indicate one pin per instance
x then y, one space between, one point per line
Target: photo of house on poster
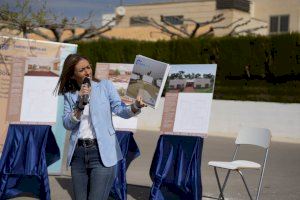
188 99
119 74
147 80
41 76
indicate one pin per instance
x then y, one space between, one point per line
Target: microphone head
86 80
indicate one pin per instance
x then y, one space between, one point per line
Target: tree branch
215 19
249 31
174 26
40 33
163 29
22 18
166 26
229 25
237 26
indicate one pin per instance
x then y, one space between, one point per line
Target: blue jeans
91 179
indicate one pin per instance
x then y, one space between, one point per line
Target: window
175 20
273 24
284 23
138 21
279 24
242 5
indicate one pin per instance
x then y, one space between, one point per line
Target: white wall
263 9
228 116
199 11
282 119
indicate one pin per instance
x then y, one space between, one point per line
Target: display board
29 72
147 80
119 74
189 93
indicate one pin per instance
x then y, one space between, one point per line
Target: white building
276 16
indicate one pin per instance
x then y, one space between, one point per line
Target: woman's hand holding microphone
83 97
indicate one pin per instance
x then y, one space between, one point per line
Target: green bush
274 61
286 52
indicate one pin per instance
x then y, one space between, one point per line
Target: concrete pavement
282 176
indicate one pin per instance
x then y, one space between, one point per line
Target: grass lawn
203 90
256 90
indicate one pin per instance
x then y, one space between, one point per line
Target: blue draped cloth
27 152
175 168
130 151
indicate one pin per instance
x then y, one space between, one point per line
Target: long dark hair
66 83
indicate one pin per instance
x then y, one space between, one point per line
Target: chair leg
225 181
260 184
221 195
245 183
262 174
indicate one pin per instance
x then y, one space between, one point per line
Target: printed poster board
189 93
29 71
147 80
119 74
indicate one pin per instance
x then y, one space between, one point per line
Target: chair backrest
254 136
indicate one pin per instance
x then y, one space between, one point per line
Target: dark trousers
91 179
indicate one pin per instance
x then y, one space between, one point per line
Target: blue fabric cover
27 152
175 169
130 151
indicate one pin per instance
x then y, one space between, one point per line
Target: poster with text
119 74
189 93
29 72
147 80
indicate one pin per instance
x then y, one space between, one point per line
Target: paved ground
282 176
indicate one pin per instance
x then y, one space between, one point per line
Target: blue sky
81 8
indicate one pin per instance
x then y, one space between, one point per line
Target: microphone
85 97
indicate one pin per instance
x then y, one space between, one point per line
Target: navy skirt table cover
175 169
130 151
27 152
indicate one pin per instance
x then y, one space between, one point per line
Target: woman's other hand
139 102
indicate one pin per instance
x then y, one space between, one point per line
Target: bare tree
24 20
235 25
175 31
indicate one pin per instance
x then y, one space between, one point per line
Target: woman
94 150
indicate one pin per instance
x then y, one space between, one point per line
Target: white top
86 129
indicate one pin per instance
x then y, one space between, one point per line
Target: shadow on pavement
135 191
66 184
138 192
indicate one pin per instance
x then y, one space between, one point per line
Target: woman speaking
94 149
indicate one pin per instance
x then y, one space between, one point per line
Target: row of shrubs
268 59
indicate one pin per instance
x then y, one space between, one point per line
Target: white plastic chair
260 137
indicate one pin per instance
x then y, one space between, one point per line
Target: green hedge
273 60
